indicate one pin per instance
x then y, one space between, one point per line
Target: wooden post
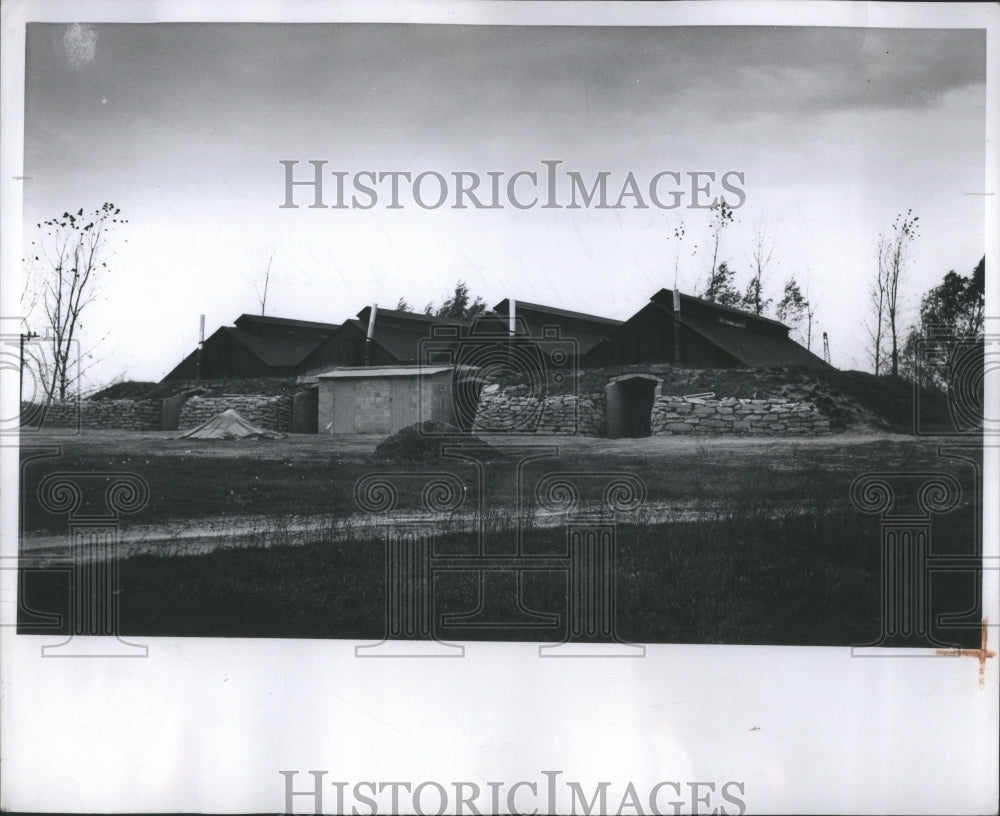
678 357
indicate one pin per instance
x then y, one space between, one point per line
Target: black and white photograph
500 408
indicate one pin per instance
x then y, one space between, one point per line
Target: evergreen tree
720 288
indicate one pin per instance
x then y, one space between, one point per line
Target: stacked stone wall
500 412
756 417
114 414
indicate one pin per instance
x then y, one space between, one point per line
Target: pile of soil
135 389
422 443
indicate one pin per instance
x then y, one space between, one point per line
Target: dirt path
300 447
207 534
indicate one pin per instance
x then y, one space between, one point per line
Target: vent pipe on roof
371 333
678 357
201 346
510 317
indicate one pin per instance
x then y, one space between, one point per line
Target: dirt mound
422 443
894 400
134 389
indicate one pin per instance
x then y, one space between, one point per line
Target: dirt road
296 447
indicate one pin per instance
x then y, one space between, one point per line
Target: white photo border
207 724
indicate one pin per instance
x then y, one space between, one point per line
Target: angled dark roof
417 317
586 330
504 305
754 349
745 338
275 350
665 298
400 333
249 322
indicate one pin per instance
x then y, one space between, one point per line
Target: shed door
403 404
345 404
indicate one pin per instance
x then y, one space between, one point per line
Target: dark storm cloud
824 69
481 80
835 130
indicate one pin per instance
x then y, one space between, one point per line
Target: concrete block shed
384 399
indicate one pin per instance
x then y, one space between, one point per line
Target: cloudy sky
183 127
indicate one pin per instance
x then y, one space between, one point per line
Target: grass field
739 541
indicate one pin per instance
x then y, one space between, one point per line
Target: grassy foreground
317 474
740 578
742 542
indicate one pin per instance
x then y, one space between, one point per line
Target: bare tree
261 288
760 259
892 258
722 217
875 326
811 305
64 268
678 238
904 234
810 320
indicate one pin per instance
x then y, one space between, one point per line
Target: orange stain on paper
982 654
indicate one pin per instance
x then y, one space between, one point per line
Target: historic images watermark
527 796
962 365
906 502
93 503
546 188
28 354
415 564
497 509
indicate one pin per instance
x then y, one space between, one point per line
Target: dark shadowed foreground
738 541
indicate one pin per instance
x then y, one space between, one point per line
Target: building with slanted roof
392 338
256 346
586 330
695 333
384 399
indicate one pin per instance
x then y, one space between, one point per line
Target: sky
184 126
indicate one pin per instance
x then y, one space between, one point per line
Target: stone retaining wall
500 412
757 417
503 412
273 413
121 414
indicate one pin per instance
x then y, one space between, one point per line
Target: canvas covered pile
229 425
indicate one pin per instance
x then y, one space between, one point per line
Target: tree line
954 308
70 254
794 307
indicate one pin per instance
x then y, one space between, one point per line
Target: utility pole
201 347
29 335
